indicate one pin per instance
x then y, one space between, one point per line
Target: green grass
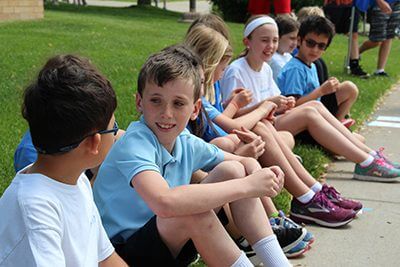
118 41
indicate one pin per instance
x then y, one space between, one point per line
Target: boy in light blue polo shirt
151 212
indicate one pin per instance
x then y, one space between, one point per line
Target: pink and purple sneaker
322 211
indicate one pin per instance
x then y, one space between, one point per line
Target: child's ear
246 42
196 109
138 103
92 143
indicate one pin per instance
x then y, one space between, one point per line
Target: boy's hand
242 98
253 150
329 86
291 102
279 174
253 146
279 100
265 182
245 135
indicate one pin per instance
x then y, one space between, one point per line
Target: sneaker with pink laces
320 210
334 196
379 154
379 171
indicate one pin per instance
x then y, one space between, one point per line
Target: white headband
256 23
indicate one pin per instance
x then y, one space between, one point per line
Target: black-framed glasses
310 43
70 147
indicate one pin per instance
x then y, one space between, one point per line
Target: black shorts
330 102
146 248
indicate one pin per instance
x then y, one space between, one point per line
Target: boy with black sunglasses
299 77
49 216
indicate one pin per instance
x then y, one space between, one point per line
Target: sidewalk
202 6
374 238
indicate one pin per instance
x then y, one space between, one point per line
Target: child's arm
384 6
113 260
239 99
329 86
265 110
197 198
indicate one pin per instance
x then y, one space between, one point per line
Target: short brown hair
70 99
173 62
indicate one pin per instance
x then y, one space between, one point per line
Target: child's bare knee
224 143
232 169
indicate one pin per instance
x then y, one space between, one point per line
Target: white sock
373 153
306 197
379 70
270 253
242 261
367 162
316 187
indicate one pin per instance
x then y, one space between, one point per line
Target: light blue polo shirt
297 78
121 208
214 131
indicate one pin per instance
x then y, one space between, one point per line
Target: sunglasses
70 147
310 43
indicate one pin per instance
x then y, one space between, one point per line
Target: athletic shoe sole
376 178
295 243
297 253
307 219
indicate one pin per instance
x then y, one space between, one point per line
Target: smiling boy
151 212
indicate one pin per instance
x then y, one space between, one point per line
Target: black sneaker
381 74
288 238
248 250
359 72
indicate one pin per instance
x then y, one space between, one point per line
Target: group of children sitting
196 173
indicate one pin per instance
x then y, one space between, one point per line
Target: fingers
238 90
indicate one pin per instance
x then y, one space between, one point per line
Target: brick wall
21 9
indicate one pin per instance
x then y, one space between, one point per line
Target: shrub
231 10
297 4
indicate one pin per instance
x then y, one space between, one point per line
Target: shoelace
383 163
331 191
287 222
326 203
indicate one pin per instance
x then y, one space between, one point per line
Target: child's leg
288 138
204 229
346 95
297 180
250 218
306 117
338 126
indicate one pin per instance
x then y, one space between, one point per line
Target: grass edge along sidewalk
118 40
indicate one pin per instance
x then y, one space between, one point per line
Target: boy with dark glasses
299 77
48 209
